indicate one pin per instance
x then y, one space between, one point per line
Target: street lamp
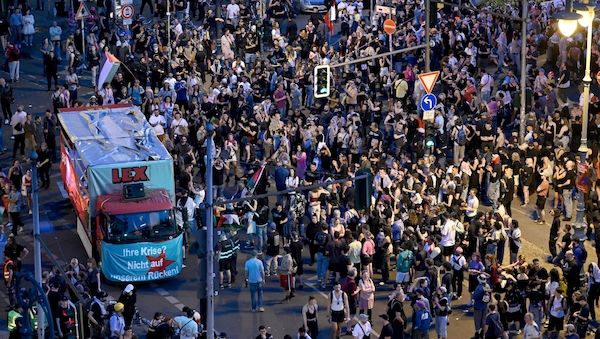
567 24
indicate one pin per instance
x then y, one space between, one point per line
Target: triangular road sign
83 12
428 80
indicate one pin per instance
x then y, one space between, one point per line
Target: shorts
402 277
555 324
540 203
224 265
448 250
514 316
337 316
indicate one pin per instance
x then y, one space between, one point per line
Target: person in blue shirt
480 299
255 276
280 175
422 320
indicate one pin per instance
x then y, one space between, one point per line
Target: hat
384 317
482 278
128 288
119 307
420 304
363 317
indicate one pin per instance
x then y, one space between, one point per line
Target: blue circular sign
428 102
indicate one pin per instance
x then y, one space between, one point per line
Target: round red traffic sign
389 26
127 12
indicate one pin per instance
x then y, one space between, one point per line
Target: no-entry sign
389 26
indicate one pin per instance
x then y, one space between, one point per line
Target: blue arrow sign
428 102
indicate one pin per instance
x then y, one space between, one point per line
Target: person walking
255 277
6 99
13 56
14 210
18 129
310 318
338 310
128 298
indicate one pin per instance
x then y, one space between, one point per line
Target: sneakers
6 121
261 309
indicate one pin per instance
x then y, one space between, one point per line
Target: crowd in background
442 190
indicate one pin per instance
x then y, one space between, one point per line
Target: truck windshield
147 226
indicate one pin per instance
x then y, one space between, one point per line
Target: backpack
19 127
425 322
487 296
461 136
498 328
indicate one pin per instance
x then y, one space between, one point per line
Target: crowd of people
440 211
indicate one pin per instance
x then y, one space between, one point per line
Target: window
134 227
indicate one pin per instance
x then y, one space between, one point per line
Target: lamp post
567 24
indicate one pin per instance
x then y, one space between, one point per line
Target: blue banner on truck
142 261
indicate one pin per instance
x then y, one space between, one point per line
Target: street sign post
389 26
428 102
127 12
83 12
428 80
428 115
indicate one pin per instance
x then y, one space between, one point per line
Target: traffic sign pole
389 26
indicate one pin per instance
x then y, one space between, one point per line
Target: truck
119 178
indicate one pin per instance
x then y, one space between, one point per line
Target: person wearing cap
459 266
116 322
362 329
480 299
97 314
423 320
128 298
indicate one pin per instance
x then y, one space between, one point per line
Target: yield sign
83 12
428 80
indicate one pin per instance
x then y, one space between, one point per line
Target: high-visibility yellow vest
12 320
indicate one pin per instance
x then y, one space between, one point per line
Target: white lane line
172 299
161 291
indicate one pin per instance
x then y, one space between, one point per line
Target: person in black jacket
128 298
51 69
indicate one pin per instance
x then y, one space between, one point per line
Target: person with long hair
310 317
366 295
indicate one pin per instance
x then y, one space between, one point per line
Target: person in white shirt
362 328
448 236
233 13
486 85
158 123
17 122
179 125
531 330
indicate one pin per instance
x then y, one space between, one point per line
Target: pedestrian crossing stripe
83 12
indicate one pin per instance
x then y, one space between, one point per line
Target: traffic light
430 135
363 189
322 79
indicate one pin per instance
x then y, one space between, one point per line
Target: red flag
328 22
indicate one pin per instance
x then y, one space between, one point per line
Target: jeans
250 59
19 144
441 326
322 266
271 265
261 237
493 193
500 251
479 318
538 313
13 70
568 200
458 154
256 295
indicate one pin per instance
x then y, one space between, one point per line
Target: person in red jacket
13 56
